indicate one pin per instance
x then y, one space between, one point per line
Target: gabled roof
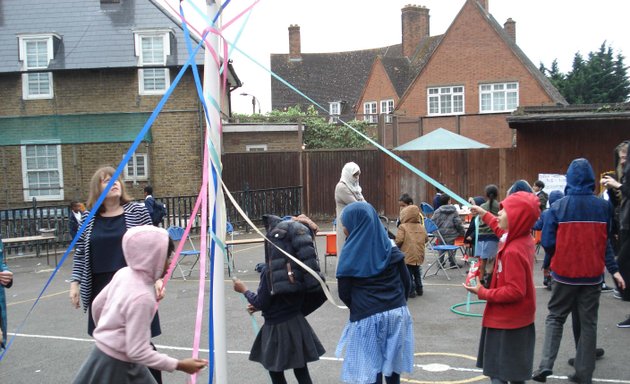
93 35
402 72
544 82
324 77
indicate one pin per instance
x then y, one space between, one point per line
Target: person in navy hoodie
374 283
576 238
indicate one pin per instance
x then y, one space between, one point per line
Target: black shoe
412 295
606 288
540 375
574 379
419 292
617 294
624 324
599 353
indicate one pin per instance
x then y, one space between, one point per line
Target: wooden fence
383 179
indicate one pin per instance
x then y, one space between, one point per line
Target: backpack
159 211
285 276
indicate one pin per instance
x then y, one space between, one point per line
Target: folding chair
176 233
427 209
450 250
537 239
331 249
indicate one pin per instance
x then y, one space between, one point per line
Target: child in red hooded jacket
506 347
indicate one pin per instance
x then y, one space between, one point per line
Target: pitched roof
544 82
324 77
402 72
93 35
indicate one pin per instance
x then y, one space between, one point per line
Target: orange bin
331 244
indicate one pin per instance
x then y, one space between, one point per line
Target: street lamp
254 101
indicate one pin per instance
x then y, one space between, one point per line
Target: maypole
216 202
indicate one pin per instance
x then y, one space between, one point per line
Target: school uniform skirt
507 354
287 345
381 343
100 368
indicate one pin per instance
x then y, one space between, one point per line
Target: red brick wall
378 87
472 53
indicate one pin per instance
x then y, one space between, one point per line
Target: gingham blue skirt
382 342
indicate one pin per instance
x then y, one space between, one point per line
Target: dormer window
335 108
35 53
152 49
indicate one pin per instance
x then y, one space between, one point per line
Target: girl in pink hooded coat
123 311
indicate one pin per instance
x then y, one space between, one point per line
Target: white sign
553 182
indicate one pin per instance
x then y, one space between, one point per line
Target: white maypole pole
216 202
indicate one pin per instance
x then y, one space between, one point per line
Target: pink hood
145 250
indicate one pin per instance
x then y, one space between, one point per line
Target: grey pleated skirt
507 354
290 344
100 368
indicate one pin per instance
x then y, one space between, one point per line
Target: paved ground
53 342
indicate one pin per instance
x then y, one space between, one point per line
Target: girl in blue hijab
374 283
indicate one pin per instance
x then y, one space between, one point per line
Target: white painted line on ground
425 367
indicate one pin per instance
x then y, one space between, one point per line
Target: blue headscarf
368 250
520 185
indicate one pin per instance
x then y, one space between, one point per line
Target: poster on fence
553 182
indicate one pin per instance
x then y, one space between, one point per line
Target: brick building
467 80
78 81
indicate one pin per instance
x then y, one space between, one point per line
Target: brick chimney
415 27
510 28
485 4
295 44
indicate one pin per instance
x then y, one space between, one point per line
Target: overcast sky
545 30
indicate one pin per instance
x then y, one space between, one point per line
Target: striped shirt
135 215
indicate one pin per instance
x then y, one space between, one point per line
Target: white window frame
450 92
334 108
25 172
131 168
256 147
497 93
34 70
153 63
370 112
387 108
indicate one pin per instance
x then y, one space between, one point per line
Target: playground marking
432 367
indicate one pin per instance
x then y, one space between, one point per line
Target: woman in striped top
99 254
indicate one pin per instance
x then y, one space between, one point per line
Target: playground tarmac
52 343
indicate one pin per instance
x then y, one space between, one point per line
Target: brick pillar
415 27
510 28
295 45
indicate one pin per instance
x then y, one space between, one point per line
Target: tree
318 132
601 78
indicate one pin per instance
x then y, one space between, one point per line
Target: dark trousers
415 272
564 299
623 260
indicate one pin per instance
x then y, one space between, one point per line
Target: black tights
301 374
393 379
